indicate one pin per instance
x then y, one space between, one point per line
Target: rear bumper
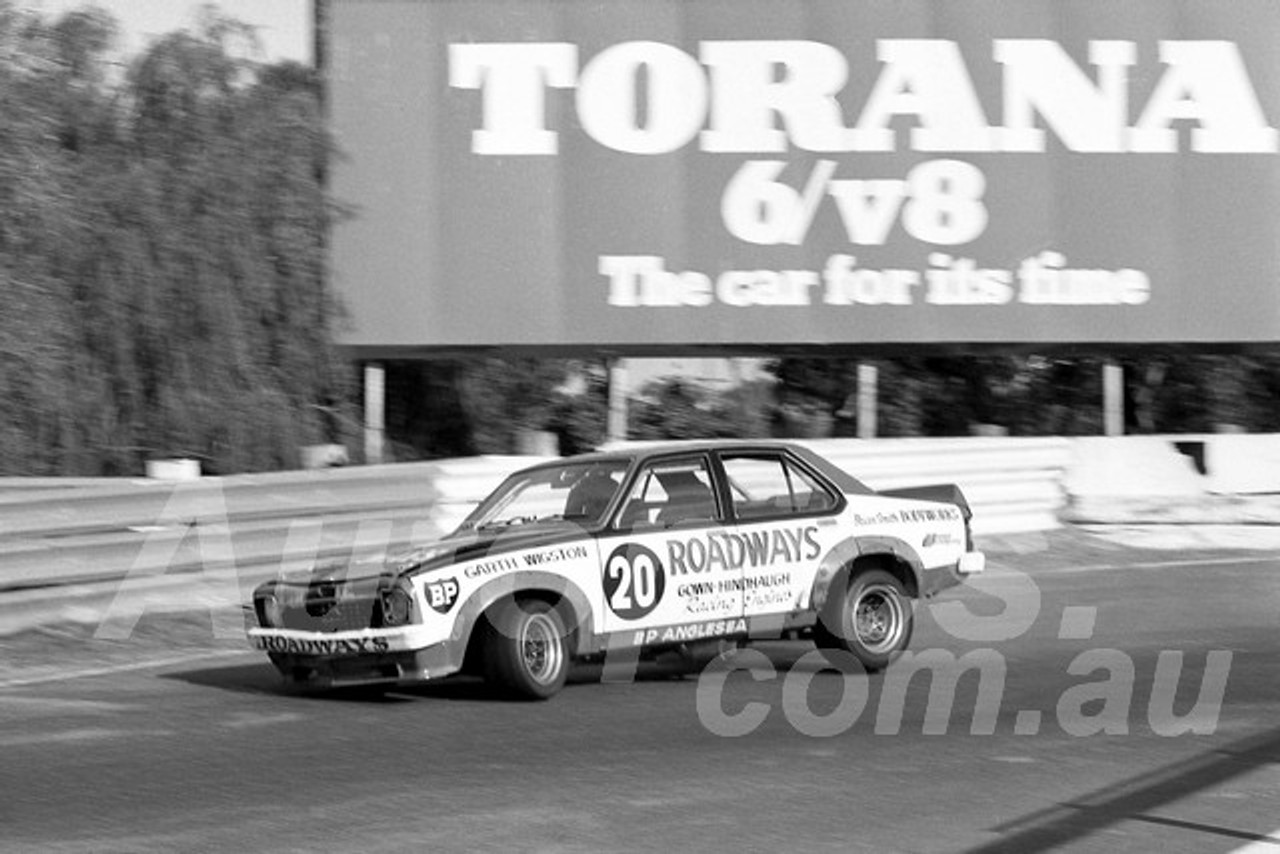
971 563
934 581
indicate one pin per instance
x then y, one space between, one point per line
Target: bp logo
633 581
442 594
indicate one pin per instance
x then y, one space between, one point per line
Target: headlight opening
397 606
269 609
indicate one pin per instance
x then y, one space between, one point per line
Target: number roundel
633 581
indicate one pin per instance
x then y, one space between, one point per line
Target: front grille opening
337 614
321 597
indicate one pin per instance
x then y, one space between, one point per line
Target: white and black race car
641 549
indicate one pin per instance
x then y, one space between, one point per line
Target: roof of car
669 446
645 450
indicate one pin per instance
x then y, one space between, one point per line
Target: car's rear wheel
526 651
870 617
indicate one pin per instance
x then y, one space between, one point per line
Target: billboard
629 174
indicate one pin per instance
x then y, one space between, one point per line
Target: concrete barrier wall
114 504
53 534
1212 478
102 531
1242 463
1013 484
68 549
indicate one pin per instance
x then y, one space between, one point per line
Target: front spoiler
395 668
337 659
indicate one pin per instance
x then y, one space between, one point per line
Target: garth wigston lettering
748 97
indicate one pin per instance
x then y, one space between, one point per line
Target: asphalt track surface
174 741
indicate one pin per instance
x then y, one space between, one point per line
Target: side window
669 492
766 485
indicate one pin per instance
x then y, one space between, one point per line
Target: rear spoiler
942 493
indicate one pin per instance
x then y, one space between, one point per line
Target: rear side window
670 492
770 485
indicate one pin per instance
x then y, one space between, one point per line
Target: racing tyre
872 618
526 654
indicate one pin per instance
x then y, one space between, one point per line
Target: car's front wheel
526 651
870 617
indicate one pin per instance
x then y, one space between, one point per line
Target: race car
632 552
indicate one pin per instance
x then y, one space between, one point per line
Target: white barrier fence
1210 478
67 545
94 530
1013 484
97 532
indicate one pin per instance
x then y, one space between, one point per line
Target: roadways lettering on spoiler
327 646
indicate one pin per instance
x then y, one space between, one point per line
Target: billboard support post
1113 399
616 430
375 384
867 378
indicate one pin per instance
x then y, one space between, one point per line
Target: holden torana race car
638 550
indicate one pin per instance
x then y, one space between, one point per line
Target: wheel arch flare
885 552
565 595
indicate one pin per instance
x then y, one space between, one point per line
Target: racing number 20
633 581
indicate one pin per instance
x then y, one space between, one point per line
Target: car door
666 572
784 517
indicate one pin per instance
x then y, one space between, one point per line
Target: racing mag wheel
526 649
871 617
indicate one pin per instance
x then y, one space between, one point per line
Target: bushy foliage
162 253
1167 390
674 408
581 416
459 406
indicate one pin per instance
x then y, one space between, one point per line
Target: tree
581 414
673 408
463 406
44 380
163 239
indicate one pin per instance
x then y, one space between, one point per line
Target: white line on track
1270 844
1124 567
21 682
